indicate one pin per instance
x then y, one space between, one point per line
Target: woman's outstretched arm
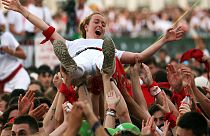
172 34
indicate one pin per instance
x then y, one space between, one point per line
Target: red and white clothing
9 64
89 60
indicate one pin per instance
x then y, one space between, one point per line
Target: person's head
192 124
93 26
7 130
152 64
4 99
17 92
155 111
24 126
36 86
45 76
162 55
125 129
11 112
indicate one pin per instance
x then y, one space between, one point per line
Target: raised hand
184 108
165 128
38 112
67 107
12 5
188 76
164 108
174 77
24 102
57 80
148 129
174 34
146 75
112 99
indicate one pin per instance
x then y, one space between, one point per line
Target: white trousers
20 81
88 62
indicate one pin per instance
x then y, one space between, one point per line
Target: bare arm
132 105
171 35
50 118
16 6
137 92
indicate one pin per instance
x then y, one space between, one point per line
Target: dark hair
150 61
153 108
32 123
45 100
44 69
160 76
39 84
17 92
13 101
195 122
5 97
167 92
86 22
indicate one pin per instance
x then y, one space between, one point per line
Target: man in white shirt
12 74
40 11
16 23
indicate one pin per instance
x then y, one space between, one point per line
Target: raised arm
16 6
172 34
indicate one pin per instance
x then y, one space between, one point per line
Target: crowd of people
92 92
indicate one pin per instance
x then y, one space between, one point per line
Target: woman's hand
174 34
12 5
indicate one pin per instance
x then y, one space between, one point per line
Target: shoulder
7 34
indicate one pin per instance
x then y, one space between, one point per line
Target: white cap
202 81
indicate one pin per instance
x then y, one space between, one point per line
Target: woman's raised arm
16 6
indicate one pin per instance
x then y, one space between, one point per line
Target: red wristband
48 33
153 84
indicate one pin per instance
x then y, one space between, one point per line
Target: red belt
7 79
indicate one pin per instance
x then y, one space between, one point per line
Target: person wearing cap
125 128
12 74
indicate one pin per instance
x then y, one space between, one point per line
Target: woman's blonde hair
86 22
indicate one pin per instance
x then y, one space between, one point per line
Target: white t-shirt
41 12
8 63
2 18
80 44
17 20
89 60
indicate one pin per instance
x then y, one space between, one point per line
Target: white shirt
41 12
2 18
80 44
17 20
8 63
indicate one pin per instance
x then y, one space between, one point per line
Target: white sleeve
118 53
69 43
11 17
9 40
